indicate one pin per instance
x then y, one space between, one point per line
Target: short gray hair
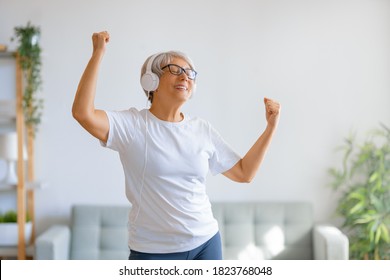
161 60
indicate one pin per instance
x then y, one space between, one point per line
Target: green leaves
364 180
29 53
11 217
384 233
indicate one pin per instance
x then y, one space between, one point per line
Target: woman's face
177 87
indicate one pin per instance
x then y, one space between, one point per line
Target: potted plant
9 229
29 52
364 183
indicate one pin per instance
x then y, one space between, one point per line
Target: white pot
9 233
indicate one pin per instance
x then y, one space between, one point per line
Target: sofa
249 230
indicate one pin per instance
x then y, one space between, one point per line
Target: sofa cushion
265 230
99 232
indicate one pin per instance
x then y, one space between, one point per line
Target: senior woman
166 156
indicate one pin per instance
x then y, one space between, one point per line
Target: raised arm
245 169
83 110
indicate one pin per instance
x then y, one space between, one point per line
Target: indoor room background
326 62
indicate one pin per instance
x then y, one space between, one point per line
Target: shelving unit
12 119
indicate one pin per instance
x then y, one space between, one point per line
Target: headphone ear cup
149 81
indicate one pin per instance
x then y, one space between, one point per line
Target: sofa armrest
53 244
330 243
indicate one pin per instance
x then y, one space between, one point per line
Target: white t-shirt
170 211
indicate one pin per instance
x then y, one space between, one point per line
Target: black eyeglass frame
181 71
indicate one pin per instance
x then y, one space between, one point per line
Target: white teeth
181 87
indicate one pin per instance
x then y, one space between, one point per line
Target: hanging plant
29 53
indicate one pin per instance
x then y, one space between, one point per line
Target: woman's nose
183 76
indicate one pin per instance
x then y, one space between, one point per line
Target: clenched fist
99 41
272 111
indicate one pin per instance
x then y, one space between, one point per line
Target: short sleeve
122 125
223 157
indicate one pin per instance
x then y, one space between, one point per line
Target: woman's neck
165 113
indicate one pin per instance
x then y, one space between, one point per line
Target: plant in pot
29 53
9 229
364 183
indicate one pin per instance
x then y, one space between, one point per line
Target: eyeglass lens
177 70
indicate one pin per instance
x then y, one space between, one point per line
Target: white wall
327 62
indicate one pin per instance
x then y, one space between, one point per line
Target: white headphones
150 80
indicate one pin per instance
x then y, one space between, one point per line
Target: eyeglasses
177 70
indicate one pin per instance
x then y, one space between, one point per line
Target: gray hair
161 60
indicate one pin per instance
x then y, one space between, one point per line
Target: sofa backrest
99 232
265 230
249 230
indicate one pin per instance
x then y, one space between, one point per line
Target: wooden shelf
28 186
12 119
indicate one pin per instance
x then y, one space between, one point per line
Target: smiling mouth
181 87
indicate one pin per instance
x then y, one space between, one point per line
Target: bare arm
83 110
245 169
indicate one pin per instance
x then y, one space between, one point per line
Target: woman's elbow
243 174
239 174
78 114
240 178
245 179
74 113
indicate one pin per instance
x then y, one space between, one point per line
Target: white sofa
250 230
277 230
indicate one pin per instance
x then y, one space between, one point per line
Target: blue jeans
210 250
